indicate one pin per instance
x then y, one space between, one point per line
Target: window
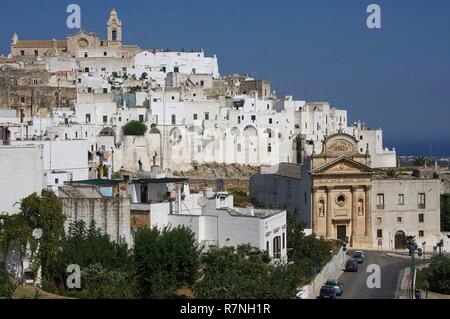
65 136
379 220
277 247
194 71
22 99
379 233
176 69
105 91
88 118
141 118
22 52
35 82
202 83
85 54
56 181
361 137
399 219
253 118
163 69
421 233
114 35
195 117
14 82
206 116
105 119
267 247
174 119
86 70
380 201
269 148
421 218
76 134
105 53
89 90
401 199
270 121
421 200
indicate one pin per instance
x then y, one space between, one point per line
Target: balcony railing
421 206
380 206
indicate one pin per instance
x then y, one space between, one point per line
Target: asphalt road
355 283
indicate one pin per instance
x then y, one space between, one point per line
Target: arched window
114 35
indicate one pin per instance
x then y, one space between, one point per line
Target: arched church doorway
400 240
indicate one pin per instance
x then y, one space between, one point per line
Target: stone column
314 210
368 213
328 213
354 212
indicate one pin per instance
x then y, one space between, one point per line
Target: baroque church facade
341 191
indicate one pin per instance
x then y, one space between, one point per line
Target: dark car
351 266
327 292
337 285
358 256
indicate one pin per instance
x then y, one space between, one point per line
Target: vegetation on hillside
134 128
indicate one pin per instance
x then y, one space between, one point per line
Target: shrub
7 287
439 275
134 128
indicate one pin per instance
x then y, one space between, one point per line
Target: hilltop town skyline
386 78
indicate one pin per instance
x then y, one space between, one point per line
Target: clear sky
396 78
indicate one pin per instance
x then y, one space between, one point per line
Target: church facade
75 44
341 180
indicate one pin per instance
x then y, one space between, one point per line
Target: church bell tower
114 29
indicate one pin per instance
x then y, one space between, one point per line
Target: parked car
351 266
358 256
327 292
337 285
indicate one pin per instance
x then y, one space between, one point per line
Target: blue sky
396 78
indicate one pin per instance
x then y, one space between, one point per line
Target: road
355 286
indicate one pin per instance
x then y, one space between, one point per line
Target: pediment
342 165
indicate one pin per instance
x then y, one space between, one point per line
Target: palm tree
410 241
420 161
391 172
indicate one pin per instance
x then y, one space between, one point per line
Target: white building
21 173
63 160
156 65
167 202
405 206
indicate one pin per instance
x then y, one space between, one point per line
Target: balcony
380 206
421 206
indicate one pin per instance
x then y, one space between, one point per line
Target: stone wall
112 215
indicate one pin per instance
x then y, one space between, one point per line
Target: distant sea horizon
419 148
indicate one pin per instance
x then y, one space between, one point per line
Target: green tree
439 275
45 212
15 235
420 161
391 172
89 246
101 283
7 286
134 128
166 261
307 253
445 212
243 273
